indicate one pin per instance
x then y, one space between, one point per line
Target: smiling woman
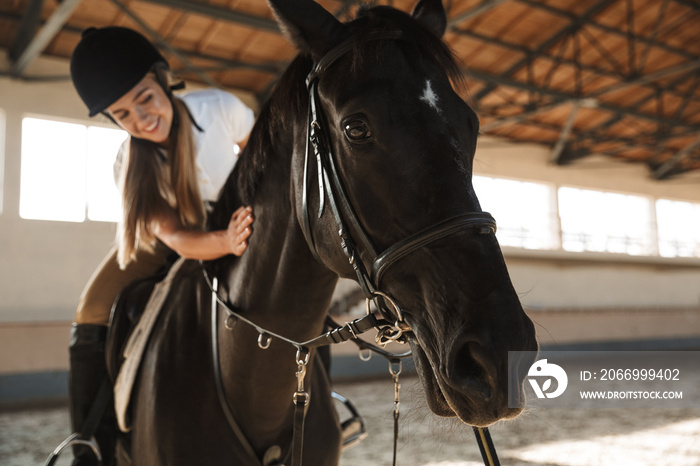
174 162
145 111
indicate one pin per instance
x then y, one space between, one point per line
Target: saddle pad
135 346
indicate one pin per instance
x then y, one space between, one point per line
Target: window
679 228
524 211
605 222
66 171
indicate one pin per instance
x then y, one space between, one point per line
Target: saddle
126 313
132 318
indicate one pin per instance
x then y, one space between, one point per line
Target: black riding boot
88 371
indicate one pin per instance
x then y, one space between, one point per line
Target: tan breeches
109 280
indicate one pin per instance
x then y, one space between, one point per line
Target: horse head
398 181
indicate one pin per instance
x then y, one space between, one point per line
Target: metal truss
673 126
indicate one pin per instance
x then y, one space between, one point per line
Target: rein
369 275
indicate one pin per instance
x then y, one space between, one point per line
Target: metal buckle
388 334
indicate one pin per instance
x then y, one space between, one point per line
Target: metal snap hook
395 367
302 357
264 344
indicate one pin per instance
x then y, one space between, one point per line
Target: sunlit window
679 228
604 222
524 211
67 171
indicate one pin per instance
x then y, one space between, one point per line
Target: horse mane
289 100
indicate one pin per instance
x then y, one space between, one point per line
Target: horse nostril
471 370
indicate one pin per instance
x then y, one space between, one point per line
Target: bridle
330 185
389 322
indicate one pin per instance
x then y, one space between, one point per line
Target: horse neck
278 285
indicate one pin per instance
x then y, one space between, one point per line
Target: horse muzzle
469 380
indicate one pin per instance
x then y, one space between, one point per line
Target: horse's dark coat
413 170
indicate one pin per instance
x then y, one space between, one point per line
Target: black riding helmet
108 62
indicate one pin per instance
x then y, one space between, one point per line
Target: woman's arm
206 245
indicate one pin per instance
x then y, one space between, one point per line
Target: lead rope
483 437
395 370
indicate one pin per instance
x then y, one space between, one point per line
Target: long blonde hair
154 182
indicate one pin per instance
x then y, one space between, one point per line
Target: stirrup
353 429
75 439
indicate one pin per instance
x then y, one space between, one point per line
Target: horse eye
357 131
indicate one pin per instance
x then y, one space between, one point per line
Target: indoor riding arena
587 157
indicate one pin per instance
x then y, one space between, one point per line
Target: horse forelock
289 100
387 19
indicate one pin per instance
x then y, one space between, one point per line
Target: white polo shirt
225 121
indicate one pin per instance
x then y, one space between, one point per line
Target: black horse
398 179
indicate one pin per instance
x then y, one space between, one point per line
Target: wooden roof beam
520 117
572 27
216 12
640 80
585 20
666 169
504 81
31 19
644 100
555 156
164 43
480 9
41 40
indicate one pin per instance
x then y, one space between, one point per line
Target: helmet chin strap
169 92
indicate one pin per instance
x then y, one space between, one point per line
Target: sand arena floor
543 437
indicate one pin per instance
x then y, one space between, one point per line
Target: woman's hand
206 245
239 230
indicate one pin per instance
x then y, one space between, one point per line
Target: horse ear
431 14
307 25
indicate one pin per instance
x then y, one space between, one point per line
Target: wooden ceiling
613 77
